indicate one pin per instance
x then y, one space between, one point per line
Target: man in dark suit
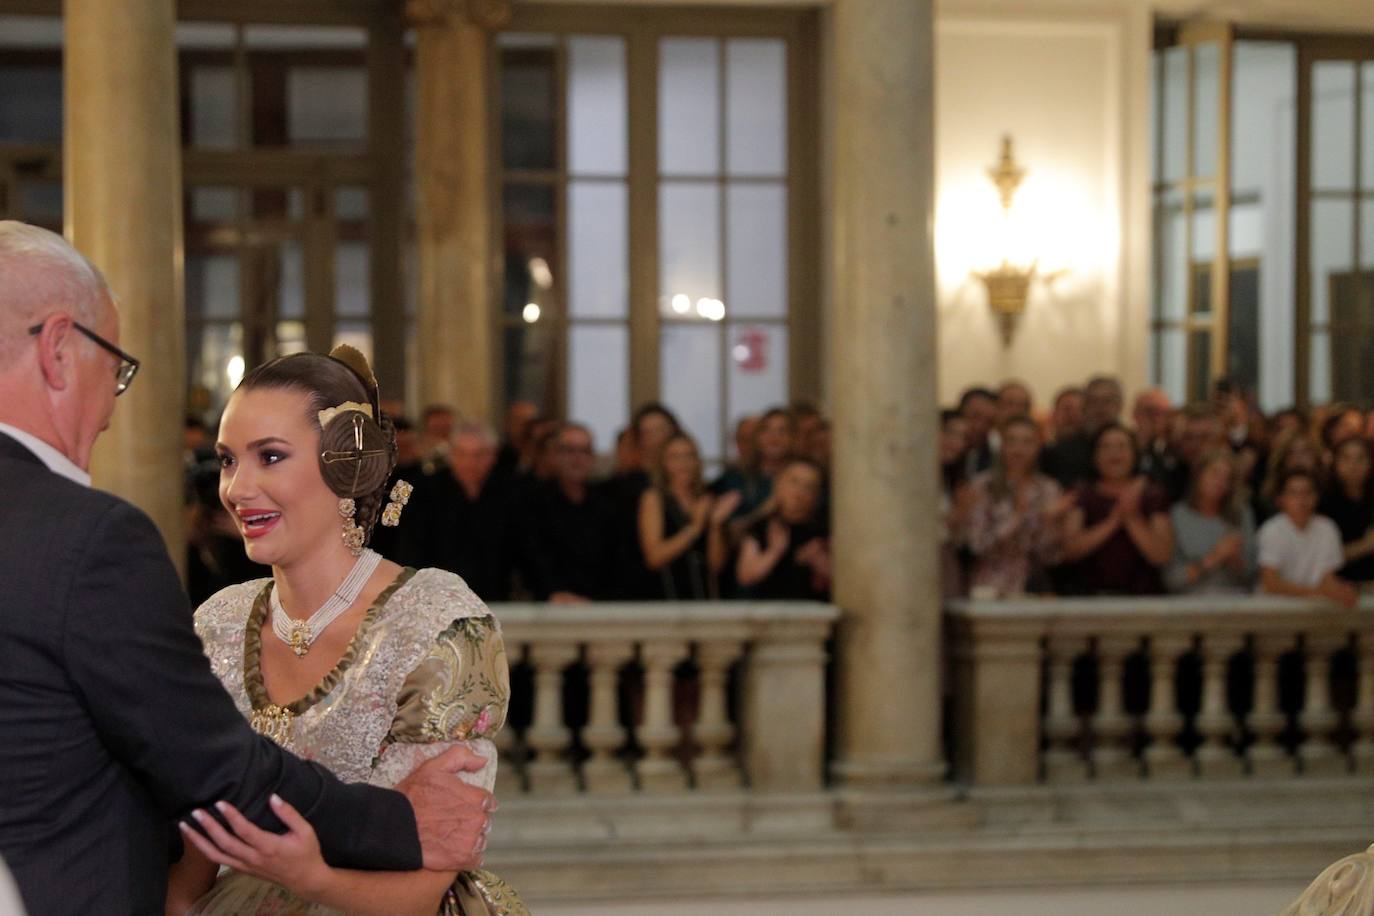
112 725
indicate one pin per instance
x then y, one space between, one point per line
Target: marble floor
1182 900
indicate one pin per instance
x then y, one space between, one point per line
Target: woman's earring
400 495
353 535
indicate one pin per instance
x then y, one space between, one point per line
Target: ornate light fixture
1008 284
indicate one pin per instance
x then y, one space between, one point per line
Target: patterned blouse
1011 548
425 670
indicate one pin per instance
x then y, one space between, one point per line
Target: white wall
1070 85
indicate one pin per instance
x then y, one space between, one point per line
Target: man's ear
55 352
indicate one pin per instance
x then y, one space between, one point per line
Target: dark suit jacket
112 725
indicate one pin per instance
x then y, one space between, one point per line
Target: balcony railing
1113 689
651 687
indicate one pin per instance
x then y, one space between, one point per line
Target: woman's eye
270 457
226 462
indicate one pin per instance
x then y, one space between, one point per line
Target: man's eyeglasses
124 372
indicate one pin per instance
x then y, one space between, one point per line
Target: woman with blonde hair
340 656
681 525
1295 449
1214 531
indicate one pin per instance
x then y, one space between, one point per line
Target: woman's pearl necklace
301 634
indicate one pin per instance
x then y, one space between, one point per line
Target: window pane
689 379
212 285
756 106
689 106
326 106
1206 108
1333 125
1199 365
689 241
756 232
1332 252
304 37
352 279
1204 233
1174 145
531 234
291 338
1171 254
216 360
599 379
1169 353
529 109
530 351
597 106
758 369
1367 236
1367 123
352 204
598 250
214 204
1242 341
1319 378
291 283
31 104
213 108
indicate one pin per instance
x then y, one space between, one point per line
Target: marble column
456 178
883 383
122 188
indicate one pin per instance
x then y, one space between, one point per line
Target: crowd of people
1211 497
531 516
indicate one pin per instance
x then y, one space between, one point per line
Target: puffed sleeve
458 693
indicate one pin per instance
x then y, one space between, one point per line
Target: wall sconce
1008 284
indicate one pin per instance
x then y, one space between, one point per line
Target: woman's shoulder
229 606
441 597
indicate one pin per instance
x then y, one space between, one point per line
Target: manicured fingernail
183 827
221 806
276 801
198 814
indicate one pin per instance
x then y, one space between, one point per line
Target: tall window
651 222
1264 215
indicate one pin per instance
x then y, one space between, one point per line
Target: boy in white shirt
1300 551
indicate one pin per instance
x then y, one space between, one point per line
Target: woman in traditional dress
341 656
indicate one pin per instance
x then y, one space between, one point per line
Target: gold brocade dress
425 670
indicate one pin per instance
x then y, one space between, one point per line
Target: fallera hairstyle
329 381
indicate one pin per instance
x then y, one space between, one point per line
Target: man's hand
450 815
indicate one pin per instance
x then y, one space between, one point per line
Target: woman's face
953 440
1020 447
1352 464
1115 455
680 463
653 430
775 438
798 489
1214 482
1302 454
270 477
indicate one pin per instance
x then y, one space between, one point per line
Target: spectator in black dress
786 556
682 526
571 531
650 427
1349 502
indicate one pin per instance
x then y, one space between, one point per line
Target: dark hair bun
356 454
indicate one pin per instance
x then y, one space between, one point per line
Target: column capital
485 14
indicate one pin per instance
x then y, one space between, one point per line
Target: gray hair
41 274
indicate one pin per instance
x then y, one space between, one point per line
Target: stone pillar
456 181
883 379
122 168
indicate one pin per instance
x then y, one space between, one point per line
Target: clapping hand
1128 503
778 537
1227 550
725 506
701 511
812 553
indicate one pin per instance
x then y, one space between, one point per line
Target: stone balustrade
664 699
1160 689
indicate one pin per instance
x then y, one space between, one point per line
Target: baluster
603 735
1363 717
658 770
1163 757
1267 756
1064 761
1216 758
1111 727
510 751
550 772
713 730
1319 753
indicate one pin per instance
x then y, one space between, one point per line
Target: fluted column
122 192
883 383
455 174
